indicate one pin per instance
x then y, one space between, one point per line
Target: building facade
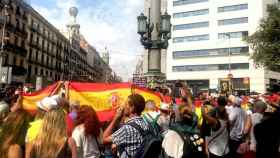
49 50
102 71
34 48
207 46
15 45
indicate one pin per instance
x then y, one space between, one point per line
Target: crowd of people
218 126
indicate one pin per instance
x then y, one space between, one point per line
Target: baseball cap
47 104
164 106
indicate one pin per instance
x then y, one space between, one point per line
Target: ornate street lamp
155 31
145 29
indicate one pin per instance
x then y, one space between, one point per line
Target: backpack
151 145
193 145
156 129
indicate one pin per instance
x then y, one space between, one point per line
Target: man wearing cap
255 118
164 117
237 118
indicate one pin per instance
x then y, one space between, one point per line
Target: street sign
140 81
6 75
39 83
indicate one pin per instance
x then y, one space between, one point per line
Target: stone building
48 49
34 48
15 45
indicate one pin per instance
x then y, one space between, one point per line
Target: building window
47 60
36 71
191 26
31 54
23 27
29 70
20 42
211 52
18 10
241 34
42 72
15 61
233 21
185 2
233 8
191 13
42 58
31 37
37 55
16 41
191 38
210 67
21 62
17 23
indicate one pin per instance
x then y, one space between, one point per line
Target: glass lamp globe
142 24
165 26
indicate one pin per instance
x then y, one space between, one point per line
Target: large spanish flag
104 98
29 100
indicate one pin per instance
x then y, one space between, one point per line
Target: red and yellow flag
104 98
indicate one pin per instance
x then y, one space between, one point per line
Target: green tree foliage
266 40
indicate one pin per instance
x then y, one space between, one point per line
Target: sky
104 23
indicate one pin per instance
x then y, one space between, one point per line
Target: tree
266 40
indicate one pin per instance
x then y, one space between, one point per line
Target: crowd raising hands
183 126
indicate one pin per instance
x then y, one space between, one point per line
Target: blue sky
104 23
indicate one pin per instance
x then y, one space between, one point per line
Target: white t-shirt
173 144
218 140
237 117
87 147
256 118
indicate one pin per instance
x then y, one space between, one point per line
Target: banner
104 98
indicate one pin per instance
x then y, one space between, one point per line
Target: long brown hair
52 135
14 130
88 117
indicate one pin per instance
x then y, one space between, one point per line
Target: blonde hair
52 135
13 130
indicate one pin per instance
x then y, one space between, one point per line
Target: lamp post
230 76
2 52
155 31
4 17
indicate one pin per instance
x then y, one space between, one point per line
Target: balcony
16 49
19 70
21 31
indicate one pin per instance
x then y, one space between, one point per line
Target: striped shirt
127 138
